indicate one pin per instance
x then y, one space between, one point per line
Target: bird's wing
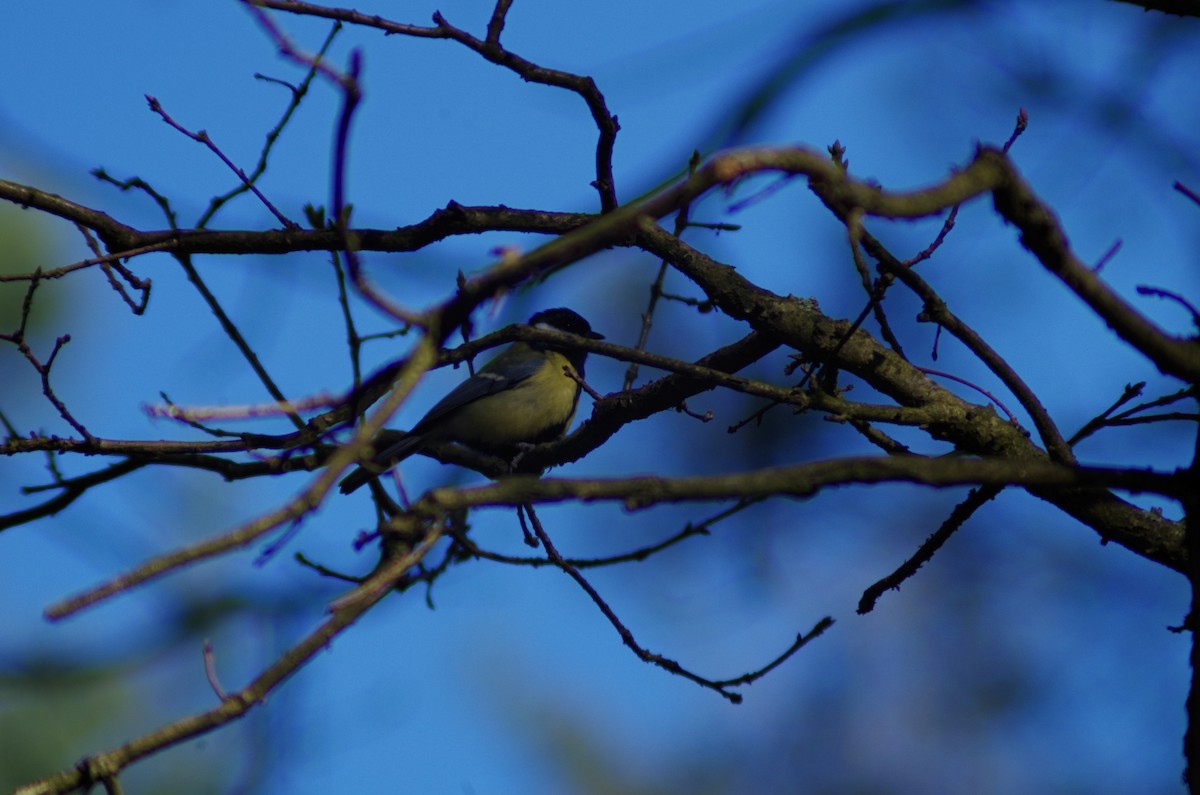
486 381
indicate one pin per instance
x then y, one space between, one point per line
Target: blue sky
1026 657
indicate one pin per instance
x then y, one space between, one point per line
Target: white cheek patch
491 376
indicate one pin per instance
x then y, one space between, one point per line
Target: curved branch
296 508
1044 237
802 480
236 705
102 223
72 490
491 49
580 234
125 241
970 428
938 312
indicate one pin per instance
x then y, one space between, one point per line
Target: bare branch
1044 237
305 502
796 323
804 480
627 637
203 137
490 49
962 512
102 223
235 705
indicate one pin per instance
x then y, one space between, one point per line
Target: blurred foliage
27 244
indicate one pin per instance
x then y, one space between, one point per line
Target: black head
562 319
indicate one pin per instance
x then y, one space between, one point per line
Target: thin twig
1018 129
235 336
1186 191
1158 292
210 671
17 337
875 291
422 358
1107 256
349 85
298 93
656 287
490 48
203 137
71 490
108 265
1131 416
942 374
238 704
800 642
627 638
58 273
253 411
937 311
689 530
961 513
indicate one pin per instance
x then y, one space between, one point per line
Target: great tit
523 396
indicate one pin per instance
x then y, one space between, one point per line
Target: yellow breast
538 409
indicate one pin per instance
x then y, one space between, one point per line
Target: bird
525 395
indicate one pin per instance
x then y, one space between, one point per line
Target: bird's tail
384 460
